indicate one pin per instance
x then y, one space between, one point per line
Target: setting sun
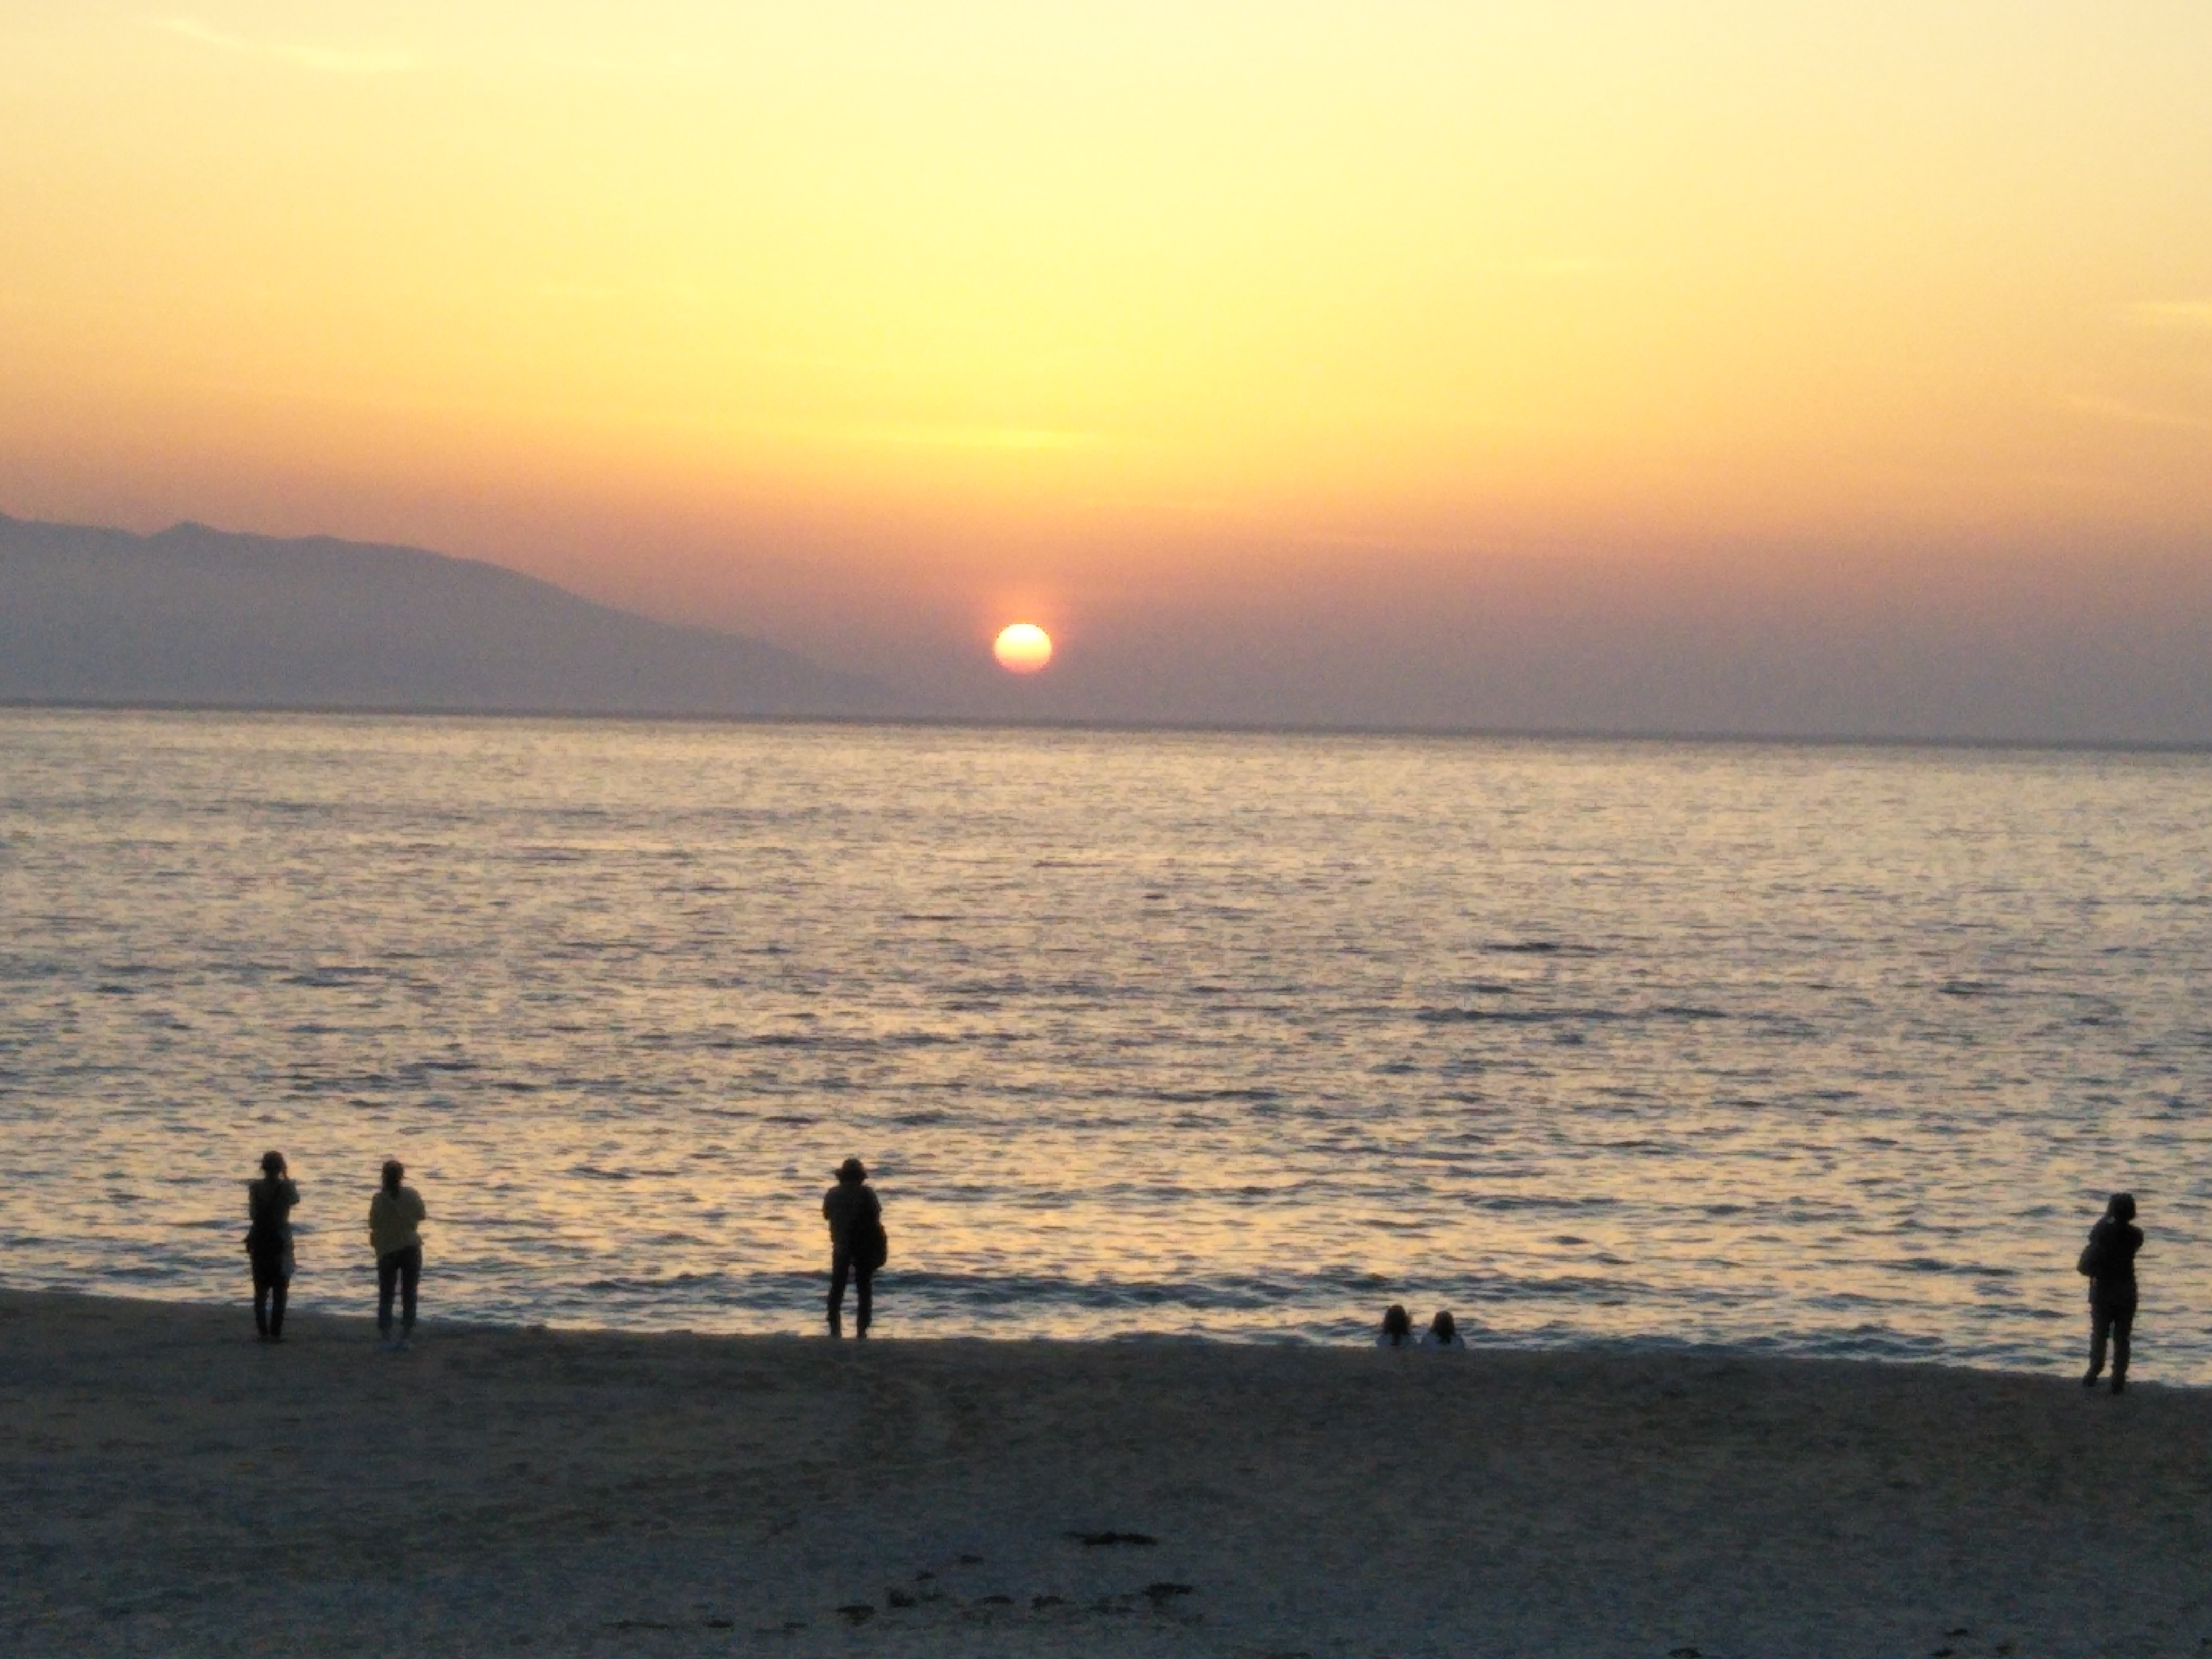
1022 647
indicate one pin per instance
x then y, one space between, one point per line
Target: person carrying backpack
858 1244
2108 1262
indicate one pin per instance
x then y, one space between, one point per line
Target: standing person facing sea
270 1202
396 1215
2108 1260
857 1243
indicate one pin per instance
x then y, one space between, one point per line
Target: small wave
1014 1290
334 976
1967 987
1541 947
1190 1097
1928 1264
1513 1016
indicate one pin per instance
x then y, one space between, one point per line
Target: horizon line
1138 727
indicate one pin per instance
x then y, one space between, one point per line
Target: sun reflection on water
1823 1049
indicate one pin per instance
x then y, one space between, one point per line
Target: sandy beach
174 1487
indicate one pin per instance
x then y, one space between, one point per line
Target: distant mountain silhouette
196 617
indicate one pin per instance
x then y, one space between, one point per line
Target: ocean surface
1819 1050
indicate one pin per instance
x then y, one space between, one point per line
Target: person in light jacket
1442 1333
395 1220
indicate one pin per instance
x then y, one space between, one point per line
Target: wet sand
174 1487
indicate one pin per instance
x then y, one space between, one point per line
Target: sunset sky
1728 366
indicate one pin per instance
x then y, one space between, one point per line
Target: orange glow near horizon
793 315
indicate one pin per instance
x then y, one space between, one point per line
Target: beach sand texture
174 1487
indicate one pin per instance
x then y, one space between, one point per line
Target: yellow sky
724 307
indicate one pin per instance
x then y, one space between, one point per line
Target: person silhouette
269 1204
1397 1328
2108 1260
855 1217
396 1215
1443 1331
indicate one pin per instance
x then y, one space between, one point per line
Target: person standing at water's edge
2108 1260
269 1204
396 1215
857 1243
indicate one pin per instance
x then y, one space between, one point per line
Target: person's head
2123 1207
1443 1327
852 1170
272 1163
1397 1324
394 1172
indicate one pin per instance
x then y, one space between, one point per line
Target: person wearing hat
2108 1261
856 1242
269 1204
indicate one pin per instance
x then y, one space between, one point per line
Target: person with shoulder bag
2108 1262
858 1244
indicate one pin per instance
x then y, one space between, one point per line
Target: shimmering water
1818 1049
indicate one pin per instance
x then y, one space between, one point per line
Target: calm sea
1821 1050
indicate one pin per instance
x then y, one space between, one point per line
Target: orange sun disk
1022 647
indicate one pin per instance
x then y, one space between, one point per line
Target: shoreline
177 1487
2063 1360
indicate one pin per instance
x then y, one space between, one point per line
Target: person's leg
260 1300
410 1281
2124 1328
2100 1330
841 1264
280 1292
864 1280
387 1280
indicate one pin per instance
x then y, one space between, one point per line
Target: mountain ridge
195 617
